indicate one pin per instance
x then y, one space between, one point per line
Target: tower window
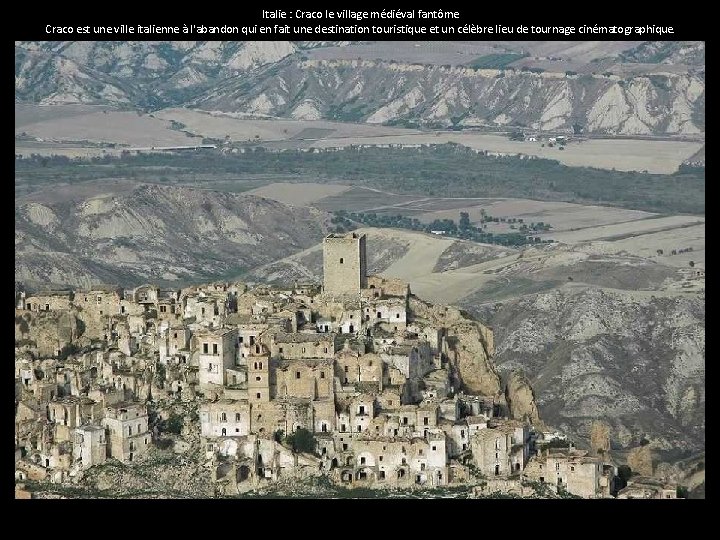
342 260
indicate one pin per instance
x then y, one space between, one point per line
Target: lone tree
302 441
464 221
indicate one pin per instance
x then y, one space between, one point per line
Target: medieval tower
344 263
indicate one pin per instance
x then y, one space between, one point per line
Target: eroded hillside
152 232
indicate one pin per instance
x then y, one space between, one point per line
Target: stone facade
370 372
90 445
344 264
127 426
217 350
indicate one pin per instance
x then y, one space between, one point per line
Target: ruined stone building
392 390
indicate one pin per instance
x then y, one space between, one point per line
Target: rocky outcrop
521 398
470 343
471 359
640 460
600 438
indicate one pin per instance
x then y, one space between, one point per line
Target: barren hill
154 233
279 79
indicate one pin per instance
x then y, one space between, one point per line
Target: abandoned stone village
357 381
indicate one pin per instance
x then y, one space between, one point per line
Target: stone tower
344 263
258 363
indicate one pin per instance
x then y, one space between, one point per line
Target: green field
495 61
447 170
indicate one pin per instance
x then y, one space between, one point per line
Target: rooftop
282 337
345 236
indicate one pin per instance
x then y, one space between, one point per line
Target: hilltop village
357 381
